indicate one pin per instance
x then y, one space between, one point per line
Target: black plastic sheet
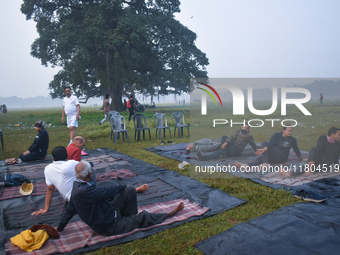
175 186
302 228
174 151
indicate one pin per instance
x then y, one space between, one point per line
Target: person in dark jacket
38 149
132 107
107 211
326 153
276 150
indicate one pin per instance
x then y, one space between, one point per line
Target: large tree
115 46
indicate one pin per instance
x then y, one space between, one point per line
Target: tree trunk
113 83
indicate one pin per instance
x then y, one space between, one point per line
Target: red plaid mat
40 187
37 171
77 235
277 178
115 174
295 180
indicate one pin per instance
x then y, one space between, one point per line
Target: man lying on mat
276 150
231 146
108 211
326 153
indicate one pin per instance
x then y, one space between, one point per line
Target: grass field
17 127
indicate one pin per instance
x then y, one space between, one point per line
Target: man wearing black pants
276 150
326 153
38 149
132 107
107 211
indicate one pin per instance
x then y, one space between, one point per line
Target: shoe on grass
309 196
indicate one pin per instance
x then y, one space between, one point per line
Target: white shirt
70 105
61 175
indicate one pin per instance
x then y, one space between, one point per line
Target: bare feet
178 208
142 188
307 173
289 174
311 165
238 164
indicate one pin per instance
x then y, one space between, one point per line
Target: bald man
75 148
107 211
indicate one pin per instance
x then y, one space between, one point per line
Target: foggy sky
242 39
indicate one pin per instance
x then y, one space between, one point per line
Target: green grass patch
17 127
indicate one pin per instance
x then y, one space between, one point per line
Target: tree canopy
115 47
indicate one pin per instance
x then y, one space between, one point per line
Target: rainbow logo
209 93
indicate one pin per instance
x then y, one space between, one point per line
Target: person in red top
75 148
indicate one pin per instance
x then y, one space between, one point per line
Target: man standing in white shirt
71 108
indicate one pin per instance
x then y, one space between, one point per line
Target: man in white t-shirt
58 175
72 109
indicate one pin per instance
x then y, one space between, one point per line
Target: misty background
243 38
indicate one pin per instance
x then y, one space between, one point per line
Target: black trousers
132 112
127 218
273 155
322 159
32 156
230 150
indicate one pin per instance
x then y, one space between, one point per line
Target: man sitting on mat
38 150
325 154
276 150
75 148
58 175
108 211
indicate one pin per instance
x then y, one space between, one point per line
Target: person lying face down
107 211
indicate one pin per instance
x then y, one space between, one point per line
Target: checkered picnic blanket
40 186
36 171
77 234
